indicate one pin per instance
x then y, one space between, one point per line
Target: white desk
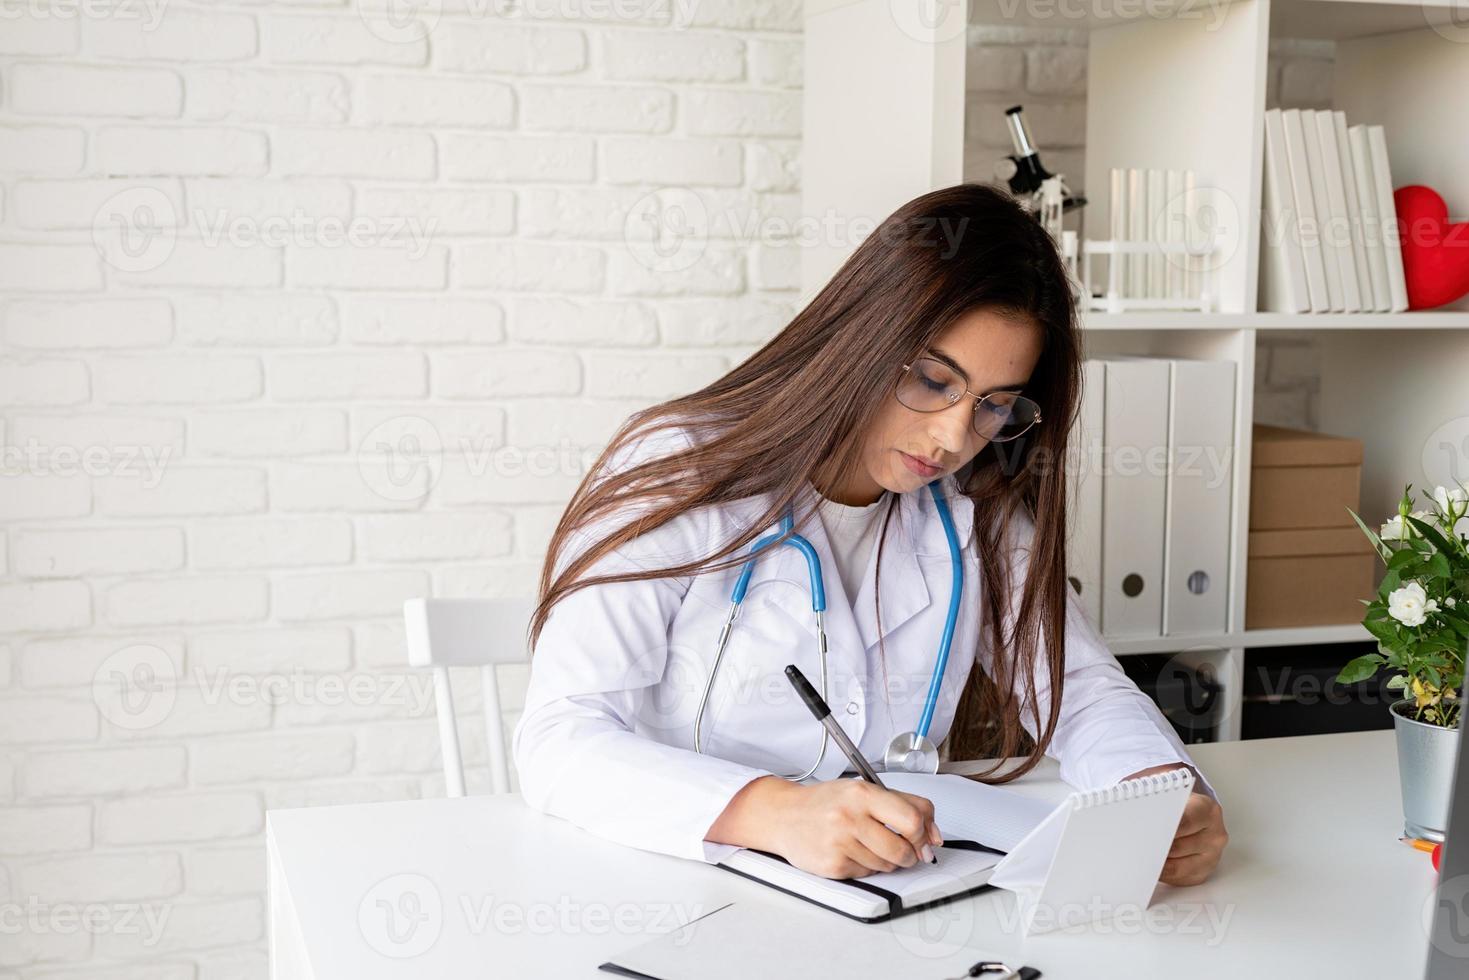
1313 884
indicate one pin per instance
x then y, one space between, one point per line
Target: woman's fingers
908 815
873 856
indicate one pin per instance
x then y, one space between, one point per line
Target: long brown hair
798 408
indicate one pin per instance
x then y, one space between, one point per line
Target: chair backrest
444 633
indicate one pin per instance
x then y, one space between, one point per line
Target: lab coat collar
916 551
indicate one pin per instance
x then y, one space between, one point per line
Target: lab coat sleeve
1107 728
602 653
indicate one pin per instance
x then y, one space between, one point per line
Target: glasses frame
978 401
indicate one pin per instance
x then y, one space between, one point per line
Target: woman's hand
1200 839
834 828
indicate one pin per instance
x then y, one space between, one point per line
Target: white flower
1450 601
1397 529
1448 500
1410 605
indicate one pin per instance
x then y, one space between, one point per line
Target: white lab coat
606 737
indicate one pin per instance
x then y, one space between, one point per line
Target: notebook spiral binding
1163 782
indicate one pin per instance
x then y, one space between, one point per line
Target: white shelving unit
1184 87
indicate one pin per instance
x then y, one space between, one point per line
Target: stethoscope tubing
818 607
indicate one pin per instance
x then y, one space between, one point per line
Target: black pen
819 708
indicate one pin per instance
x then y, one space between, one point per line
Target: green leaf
1402 558
1382 549
1438 566
1385 631
1397 683
1432 534
1359 669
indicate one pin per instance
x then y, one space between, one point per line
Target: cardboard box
1302 479
1308 577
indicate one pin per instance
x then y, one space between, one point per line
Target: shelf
1311 19
1249 639
1336 20
1413 320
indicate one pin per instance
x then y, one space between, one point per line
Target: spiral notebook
1097 852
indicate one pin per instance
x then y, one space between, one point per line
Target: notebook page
966 809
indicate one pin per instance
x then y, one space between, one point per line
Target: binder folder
1134 491
1200 480
1085 550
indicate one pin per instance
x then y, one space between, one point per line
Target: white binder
1134 488
1085 550
1282 268
1306 224
1200 475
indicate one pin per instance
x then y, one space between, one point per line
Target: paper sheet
970 810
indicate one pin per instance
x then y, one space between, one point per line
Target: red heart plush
1435 252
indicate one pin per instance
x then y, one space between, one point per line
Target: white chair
444 633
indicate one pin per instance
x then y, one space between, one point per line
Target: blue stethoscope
908 752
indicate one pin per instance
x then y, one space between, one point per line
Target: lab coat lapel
915 568
788 590
917 550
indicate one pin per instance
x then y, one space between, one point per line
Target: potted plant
1420 620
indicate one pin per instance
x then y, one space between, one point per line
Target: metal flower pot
1426 756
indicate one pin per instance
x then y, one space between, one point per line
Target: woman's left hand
1200 840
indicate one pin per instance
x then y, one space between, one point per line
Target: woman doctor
908 425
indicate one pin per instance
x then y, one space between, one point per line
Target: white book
1193 229
1282 267
1157 203
1337 232
1316 177
1387 216
1117 211
1134 488
1371 223
1176 232
1305 199
1137 231
1085 551
1354 209
1200 480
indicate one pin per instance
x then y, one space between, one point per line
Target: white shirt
852 532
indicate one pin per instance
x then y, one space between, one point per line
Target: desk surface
1314 883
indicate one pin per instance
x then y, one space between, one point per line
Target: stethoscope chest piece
911 752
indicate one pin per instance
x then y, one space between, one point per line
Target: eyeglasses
928 385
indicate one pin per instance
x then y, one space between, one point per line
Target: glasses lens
1004 415
929 386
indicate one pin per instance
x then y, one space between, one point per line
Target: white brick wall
302 317
243 252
